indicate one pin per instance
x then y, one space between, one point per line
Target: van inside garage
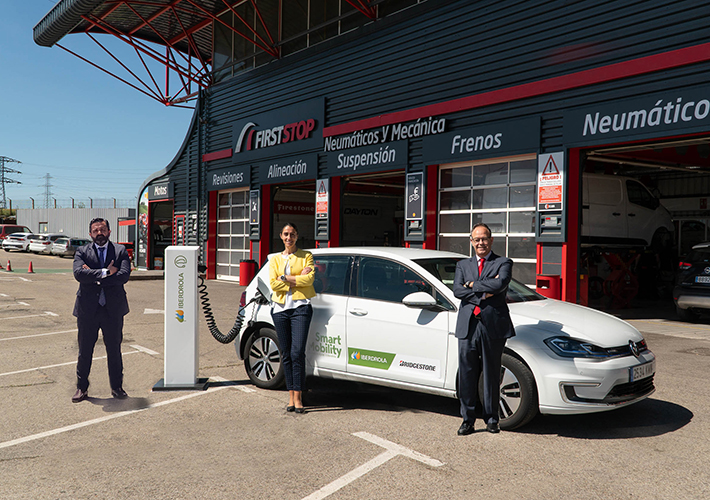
644 206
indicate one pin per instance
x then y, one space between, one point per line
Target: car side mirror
421 300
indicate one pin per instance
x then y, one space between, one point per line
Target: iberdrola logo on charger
372 359
180 315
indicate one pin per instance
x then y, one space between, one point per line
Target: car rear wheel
518 393
687 315
263 359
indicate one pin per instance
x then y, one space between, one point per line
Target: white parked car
66 247
386 316
42 243
621 211
17 241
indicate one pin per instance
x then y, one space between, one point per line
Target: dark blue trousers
112 330
292 329
479 354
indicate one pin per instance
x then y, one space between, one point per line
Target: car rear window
700 256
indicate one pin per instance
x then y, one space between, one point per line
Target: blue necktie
102 296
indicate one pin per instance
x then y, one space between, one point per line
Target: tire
687 315
262 359
518 393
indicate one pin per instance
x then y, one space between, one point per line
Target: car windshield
700 255
445 269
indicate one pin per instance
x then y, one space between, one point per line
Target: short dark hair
99 219
289 224
481 224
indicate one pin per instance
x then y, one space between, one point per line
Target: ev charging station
181 321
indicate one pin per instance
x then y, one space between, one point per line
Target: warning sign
550 181
322 199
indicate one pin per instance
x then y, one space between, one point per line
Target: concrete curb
146 275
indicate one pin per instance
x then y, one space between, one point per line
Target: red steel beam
145 49
364 7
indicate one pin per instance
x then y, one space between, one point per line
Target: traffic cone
29 269
9 267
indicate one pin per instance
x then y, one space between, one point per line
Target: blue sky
94 135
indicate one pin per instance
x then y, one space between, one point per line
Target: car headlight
568 347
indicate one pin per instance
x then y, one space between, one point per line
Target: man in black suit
101 268
482 327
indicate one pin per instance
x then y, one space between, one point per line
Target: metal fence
32 203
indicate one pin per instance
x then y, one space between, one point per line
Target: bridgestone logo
417 366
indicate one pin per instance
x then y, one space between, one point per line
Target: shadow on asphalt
113 405
650 417
338 395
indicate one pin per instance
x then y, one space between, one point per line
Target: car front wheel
518 393
263 359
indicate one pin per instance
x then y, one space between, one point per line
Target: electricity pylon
6 180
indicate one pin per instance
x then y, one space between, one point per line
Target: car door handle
616 214
358 312
631 215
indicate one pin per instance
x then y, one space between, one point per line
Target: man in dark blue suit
101 268
482 327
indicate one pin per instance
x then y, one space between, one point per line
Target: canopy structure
177 34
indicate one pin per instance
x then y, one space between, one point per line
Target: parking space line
39 335
393 449
58 365
99 420
14 304
153 311
46 313
145 350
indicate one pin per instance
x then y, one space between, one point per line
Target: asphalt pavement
234 441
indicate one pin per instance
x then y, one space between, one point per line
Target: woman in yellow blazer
291 274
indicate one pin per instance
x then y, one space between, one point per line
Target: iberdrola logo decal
180 315
372 359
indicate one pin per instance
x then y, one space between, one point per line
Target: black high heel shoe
290 408
300 409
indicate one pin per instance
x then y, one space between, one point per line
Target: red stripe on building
626 69
217 155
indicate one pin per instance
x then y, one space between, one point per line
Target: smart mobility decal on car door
327 346
372 359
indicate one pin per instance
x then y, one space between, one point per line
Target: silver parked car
66 247
17 241
42 243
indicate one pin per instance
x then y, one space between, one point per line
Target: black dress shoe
119 393
466 429
79 396
300 409
493 427
290 408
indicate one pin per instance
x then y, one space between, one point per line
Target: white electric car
386 316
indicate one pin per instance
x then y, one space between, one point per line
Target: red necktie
477 310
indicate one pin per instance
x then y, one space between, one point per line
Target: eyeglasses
480 240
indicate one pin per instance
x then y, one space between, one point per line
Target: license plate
642 371
702 279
